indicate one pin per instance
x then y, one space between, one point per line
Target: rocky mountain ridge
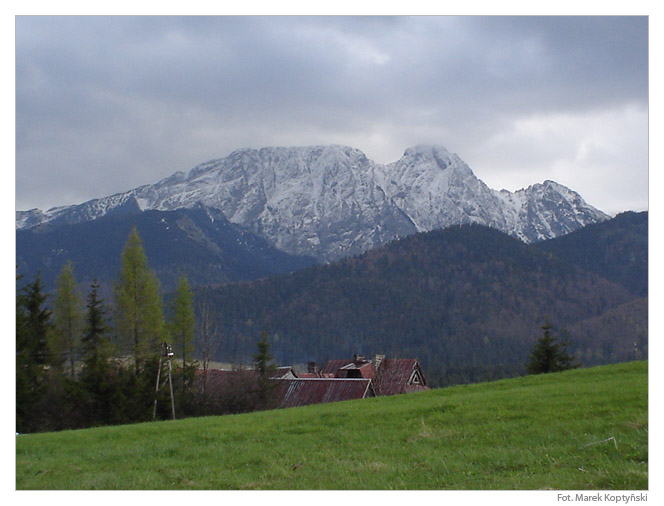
330 202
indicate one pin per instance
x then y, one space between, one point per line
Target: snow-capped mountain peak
332 201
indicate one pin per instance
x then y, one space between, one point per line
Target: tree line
88 363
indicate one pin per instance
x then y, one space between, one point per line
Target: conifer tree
33 324
265 368
140 315
96 347
38 322
67 319
96 373
550 354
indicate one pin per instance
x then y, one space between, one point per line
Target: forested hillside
198 242
616 249
467 301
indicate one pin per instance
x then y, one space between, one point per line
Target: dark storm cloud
107 103
573 61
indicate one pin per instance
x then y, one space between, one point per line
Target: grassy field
582 429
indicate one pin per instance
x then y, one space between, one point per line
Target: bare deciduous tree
208 335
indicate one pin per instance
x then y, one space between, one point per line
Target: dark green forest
468 301
616 250
199 243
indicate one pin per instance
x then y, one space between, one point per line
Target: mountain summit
332 201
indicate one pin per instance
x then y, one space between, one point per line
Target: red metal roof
331 366
304 391
222 380
339 380
399 376
349 369
225 377
308 375
394 376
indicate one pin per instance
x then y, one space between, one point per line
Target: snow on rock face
437 189
332 201
546 210
319 200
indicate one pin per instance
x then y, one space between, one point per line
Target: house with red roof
338 380
291 393
390 376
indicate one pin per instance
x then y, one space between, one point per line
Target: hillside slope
468 301
577 430
199 242
616 249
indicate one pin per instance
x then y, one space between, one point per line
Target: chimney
312 367
358 358
378 359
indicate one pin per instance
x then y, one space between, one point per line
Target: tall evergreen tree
33 324
140 315
38 322
265 368
96 347
67 319
97 371
22 360
550 353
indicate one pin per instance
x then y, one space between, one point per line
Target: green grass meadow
585 429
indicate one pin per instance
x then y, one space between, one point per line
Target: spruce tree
96 374
67 319
95 343
264 368
550 354
33 324
140 316
38 322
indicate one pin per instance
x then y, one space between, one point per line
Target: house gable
398 376
390 376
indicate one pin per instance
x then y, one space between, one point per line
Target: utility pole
167 354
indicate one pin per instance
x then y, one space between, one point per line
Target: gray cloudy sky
105 104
